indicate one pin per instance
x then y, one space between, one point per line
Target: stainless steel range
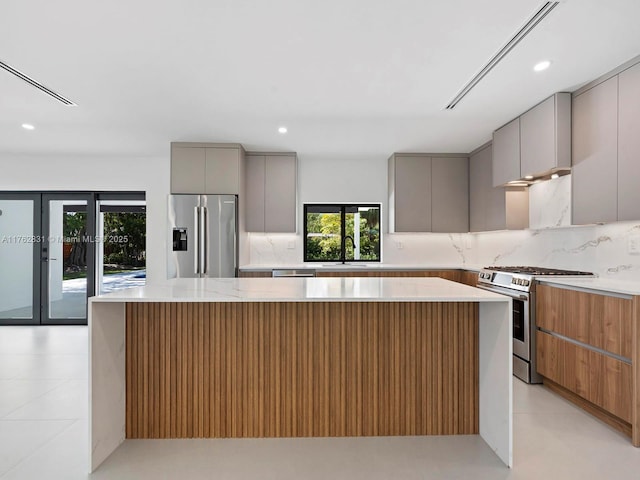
519 283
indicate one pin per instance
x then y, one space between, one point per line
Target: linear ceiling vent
38 85
517 38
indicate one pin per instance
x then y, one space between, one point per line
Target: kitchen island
298 357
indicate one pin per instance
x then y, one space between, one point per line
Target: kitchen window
342 233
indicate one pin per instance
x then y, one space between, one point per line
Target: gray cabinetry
206 168
254 191
222 170
535 144
411 193
506 153
594 154
493 208
187 169
629 144
428 193
545 136
271 192
449 194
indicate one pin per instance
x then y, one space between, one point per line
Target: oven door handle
504 292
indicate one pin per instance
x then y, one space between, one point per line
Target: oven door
520 313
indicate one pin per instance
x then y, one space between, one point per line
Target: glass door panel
19 251
68 270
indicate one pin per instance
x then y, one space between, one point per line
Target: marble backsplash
606 250
603 249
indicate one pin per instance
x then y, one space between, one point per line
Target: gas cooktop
539 271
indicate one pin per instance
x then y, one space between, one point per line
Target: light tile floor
43 435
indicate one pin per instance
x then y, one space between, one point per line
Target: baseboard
598 412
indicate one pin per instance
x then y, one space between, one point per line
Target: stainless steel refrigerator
203 239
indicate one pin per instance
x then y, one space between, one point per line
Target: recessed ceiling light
282 130
554 176
539 67
28 126
528 177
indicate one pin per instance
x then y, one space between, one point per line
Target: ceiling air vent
38 85
517 38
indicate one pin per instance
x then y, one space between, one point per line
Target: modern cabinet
595 154
629 144
585 351
450 194
428 193
493 208
535 144
506 153
545 136
271 188
409 193
206 168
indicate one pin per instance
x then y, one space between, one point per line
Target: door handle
196 238
203 240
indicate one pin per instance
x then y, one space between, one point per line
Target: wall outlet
399 245
291 245
633 247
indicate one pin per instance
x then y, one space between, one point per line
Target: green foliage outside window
325 239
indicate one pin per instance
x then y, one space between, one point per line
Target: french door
48 246
47 253
20 233
67 255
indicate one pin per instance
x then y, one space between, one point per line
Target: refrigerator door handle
196 242
204 246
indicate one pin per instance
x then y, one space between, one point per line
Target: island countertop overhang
337 289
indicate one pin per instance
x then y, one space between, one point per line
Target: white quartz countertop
382 289
351 267
605 285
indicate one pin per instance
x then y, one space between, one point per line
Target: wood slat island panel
300 369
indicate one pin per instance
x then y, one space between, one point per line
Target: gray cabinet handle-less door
594 154
629 145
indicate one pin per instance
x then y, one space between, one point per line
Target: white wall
89 173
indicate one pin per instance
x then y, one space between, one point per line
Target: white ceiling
347 77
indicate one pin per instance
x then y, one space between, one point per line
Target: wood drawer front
599 320
453 275
602 380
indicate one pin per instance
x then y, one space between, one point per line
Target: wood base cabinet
587 350
599 379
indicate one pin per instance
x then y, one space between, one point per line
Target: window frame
342 207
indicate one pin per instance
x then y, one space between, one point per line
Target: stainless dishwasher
293 272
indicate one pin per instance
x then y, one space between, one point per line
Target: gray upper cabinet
410 193
254 193
428 193
206 168
222 171
449 194
594 154
545 136
187 169
493 208
506 153
280 193
629 144
271 187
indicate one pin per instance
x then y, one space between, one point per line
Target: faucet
353 243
